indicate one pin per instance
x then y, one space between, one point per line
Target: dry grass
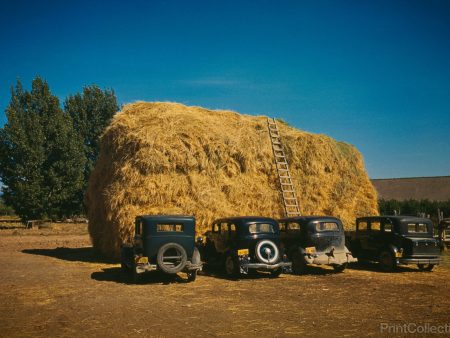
169 158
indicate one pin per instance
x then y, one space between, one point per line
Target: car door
375 237
362 236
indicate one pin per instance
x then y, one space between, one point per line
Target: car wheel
171 258
276 273
231 266
192 275
425 267
339 267
298 263
387 261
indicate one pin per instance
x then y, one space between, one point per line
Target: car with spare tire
395 240
315 240
162 242
246 244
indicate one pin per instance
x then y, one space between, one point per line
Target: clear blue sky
372 73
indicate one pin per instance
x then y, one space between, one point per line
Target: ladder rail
290 203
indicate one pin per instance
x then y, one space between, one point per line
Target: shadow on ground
155 277
85 254
375 267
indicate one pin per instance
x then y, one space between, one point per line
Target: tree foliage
91 112
41 155
414 207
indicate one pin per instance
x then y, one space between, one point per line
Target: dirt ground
53 284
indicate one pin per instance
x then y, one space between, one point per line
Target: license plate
310 250
242 252
141 260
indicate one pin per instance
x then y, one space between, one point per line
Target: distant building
432 188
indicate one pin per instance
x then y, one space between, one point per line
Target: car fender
393 249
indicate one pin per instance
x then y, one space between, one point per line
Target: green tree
41 156
91 113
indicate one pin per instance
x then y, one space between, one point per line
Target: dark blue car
162 242
243 244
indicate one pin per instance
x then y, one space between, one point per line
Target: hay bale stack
167 158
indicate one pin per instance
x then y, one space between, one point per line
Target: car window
215 228
138 223
293 226
387 227
282 226
169 227
232 228
375 225
327 226
256 228
223 229
417 228
362 225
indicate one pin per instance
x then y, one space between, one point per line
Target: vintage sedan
165 243
315 240
240 245
395 240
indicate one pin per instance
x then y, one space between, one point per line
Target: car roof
246 219
398 218
309 218
167 217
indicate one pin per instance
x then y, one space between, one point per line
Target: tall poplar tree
41 155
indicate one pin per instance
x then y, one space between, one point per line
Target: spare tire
171 258
267 252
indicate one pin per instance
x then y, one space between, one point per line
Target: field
53 284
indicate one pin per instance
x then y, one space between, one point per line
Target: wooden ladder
289 197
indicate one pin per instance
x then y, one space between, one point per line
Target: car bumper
141 268
337 258
267 267
419 260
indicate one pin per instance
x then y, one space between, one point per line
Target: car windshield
327 226
420 228
256 228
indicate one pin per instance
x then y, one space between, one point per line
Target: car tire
192 275
339 267
298 263
387 261
425 267
171 258
231 265
267 244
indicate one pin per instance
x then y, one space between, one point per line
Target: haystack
167 158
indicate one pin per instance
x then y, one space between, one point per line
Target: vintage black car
162 242
444 233
244 244
314 240
394 240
